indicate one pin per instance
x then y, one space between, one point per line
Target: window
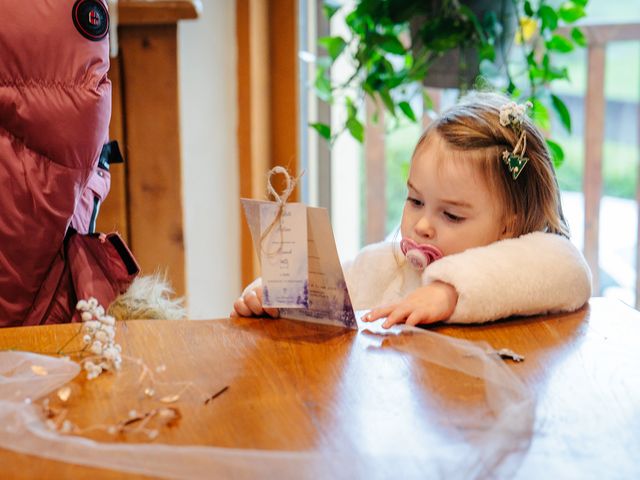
350 179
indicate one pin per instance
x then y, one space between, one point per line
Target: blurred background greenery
622 90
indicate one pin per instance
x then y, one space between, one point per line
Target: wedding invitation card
301 271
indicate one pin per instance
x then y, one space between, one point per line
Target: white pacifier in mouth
419 256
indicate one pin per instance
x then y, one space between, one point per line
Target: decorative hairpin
512 115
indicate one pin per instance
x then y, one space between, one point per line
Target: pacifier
419 256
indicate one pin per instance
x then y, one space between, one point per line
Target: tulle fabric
493 437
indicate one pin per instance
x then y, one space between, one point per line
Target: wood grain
154 179
301 386
582 368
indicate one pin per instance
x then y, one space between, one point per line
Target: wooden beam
157 12
603 33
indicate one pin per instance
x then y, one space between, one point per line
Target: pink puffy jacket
55 106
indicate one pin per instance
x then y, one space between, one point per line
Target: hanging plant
395 45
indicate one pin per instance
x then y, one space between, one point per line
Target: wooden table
298 386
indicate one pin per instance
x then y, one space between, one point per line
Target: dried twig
216 395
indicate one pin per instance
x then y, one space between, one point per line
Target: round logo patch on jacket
91 18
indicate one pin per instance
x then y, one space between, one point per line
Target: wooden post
114 214
594 139
375 174
154 177
283 86
244 131
145 202
267 102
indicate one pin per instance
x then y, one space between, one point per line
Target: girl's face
449 204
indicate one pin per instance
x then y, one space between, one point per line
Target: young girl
483 232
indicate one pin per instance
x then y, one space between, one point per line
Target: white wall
209 116
346 156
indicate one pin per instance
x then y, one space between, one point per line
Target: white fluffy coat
534 274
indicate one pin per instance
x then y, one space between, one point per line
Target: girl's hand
250 305
429 304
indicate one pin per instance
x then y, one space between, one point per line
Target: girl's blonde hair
531 202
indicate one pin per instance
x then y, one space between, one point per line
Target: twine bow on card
281 200
291 184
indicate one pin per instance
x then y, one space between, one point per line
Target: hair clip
512 115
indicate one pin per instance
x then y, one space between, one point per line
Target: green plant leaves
540 114
473 21
427 101
385 96
443 34
528 9
355 129
549 17
487 52
571 11
578 37
323 130
334 45
322 86
408 111
550 72
329 8
561 44
391 44
562 111
353 125
557 153
389 67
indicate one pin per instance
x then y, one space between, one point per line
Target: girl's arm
534 274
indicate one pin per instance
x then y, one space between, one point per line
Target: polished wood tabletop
296 386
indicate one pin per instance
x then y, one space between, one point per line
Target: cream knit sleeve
533 274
